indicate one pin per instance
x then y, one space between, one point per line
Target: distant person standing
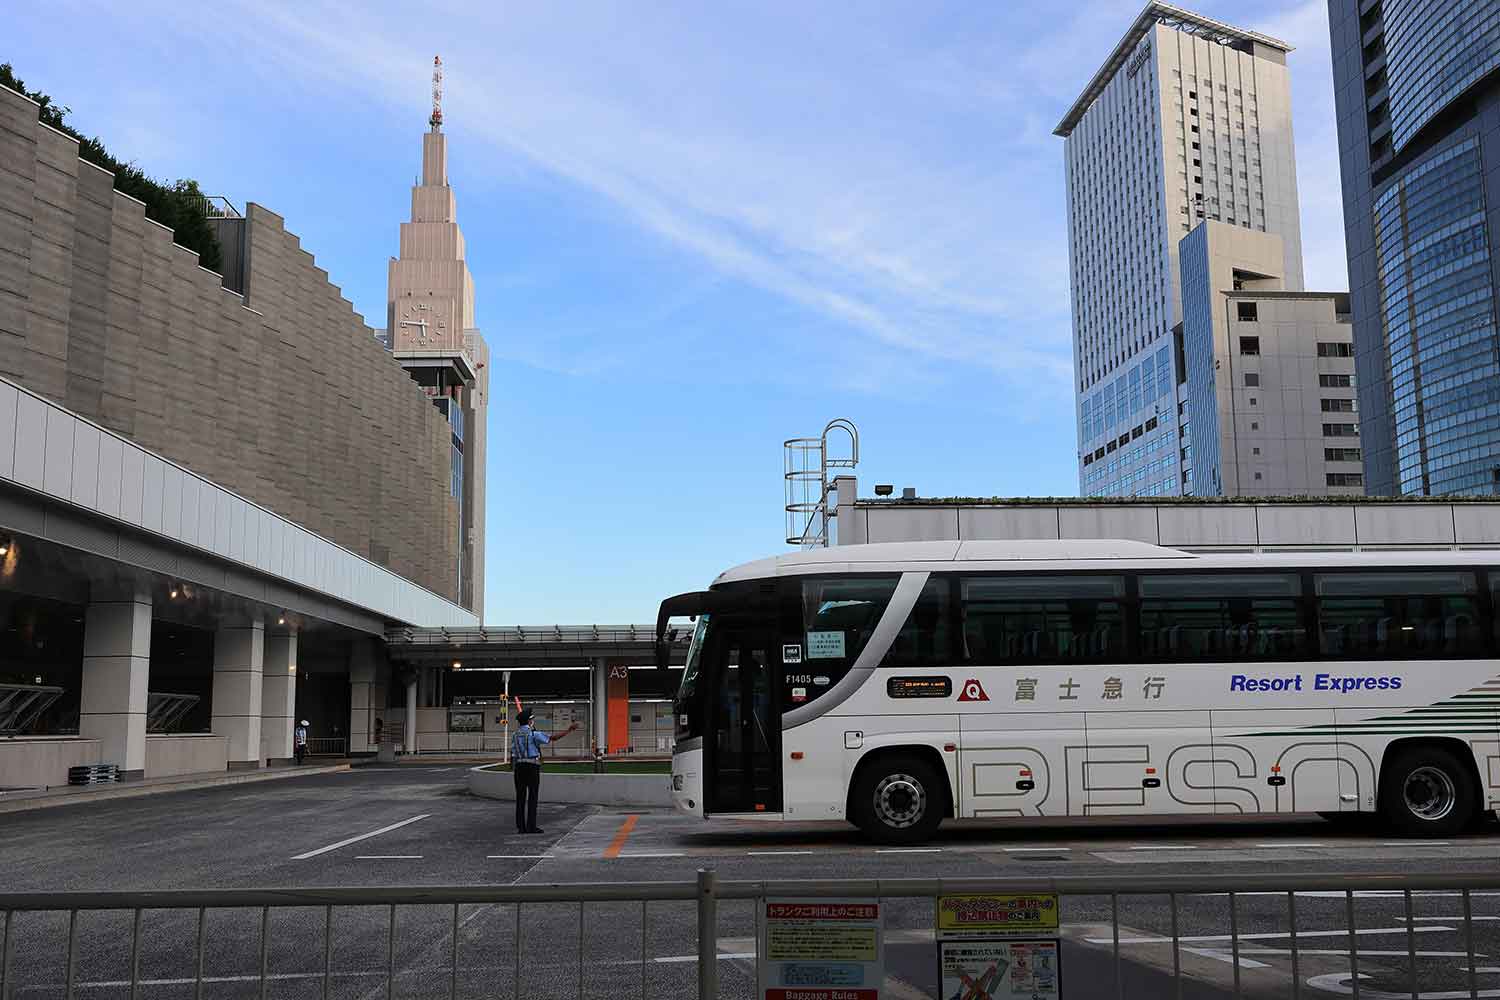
299 741
526 766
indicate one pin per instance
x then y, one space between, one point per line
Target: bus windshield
694 665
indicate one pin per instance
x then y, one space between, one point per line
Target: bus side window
838 615
926 640
1042 619
1225 616
1398 614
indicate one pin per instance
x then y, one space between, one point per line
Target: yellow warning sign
996 914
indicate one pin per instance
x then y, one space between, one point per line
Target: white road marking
1363 952
1474 918
1291 845
662 854
1415 843
1027 850
693 958
1338 982
908 850
1270 935
354 840
774 854
1163 847
1359 894
517 857
1225 956
388 857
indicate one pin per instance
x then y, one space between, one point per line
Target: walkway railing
327 746
31 920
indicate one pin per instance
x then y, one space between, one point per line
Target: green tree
180 206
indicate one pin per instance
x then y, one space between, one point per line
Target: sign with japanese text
821 949
996 914
825 645
1000 969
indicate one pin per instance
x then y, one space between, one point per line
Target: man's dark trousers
528 779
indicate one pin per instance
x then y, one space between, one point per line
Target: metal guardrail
707 891
22 704
164 710
327 746
533 634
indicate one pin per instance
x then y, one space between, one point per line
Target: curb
131 790
633 791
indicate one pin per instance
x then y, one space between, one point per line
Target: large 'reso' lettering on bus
1201 774
997 788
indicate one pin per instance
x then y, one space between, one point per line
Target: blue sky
695 230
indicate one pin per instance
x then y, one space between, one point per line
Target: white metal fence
31 964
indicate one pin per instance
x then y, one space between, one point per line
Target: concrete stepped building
217 492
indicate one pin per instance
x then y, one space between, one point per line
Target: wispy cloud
895 175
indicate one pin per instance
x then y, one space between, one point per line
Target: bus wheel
899 800
1426 791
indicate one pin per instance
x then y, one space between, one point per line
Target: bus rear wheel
1426 791
899 800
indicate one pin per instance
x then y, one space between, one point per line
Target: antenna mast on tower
436 121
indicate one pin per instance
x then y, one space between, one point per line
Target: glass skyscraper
1418 91
1187 121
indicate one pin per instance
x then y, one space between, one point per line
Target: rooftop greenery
180 206
1162 501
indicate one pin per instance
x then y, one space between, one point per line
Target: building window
1252 378
1254 425
1341 455
1255 451
1251 345
1336 381
1340 430
1339 406
1247 311
1346 479
1331 350
1257 475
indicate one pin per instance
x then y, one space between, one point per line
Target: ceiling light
457 665
173 593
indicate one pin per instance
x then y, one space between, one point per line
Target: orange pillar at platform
617 694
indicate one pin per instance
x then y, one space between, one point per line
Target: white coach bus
898 684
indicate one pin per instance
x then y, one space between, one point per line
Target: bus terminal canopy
520 646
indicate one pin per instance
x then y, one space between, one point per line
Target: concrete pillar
116 668
363 700
239 661
411 715
599 703
843 530
278 697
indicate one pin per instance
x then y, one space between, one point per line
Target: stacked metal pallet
94 774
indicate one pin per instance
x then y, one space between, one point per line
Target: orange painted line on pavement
621 835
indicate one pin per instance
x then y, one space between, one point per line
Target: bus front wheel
1426 791
899 800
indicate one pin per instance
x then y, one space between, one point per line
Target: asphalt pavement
416 825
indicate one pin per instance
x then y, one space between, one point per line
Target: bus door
743 752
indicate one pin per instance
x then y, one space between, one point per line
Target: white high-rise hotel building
1188 120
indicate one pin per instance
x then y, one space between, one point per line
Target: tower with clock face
431 331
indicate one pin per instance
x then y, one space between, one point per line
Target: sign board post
820 949
1001 946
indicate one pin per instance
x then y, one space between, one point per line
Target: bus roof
1041 555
